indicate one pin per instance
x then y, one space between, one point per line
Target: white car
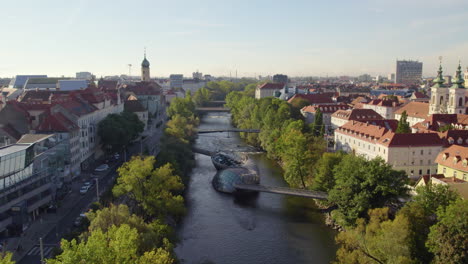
84 189
102 167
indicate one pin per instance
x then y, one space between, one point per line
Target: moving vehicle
84 189
102 167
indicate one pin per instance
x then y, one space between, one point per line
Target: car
102 167
78 221
89 184
84 189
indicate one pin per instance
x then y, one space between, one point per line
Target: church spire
439 81
459 81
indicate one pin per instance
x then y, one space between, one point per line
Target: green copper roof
439 81
145 63
458 82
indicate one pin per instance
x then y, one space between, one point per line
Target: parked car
102 167
89 184
84 189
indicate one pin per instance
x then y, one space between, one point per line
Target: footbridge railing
283 190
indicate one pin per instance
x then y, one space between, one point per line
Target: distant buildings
280 78
408 72
391 77
84 75
310 111
176 80
385 107
342 117
197 75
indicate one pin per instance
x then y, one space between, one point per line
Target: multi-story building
267 89
465 76
310 111
453 162
408 72
448 100
416 111
176 80
280 78
84 75
135 106
28 179
385 107
412 153
342 117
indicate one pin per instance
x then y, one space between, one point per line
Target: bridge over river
204 131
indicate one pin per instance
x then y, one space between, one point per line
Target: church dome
145 63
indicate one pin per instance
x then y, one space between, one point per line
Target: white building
84 75
416 111
342 117
384 107
267 89
413 153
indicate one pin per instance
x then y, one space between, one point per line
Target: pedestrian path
36 250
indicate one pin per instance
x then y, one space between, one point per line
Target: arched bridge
204 131
283 190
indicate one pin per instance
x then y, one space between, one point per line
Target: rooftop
13 149
455 157
357 114
33 138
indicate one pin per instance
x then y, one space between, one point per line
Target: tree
201 96
433 196
117 245
403 125
448 239
151 235
183 128
154 189
318 127
118 130
378 240
323 178
361 185
182 106
6 258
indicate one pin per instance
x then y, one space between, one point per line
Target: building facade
267 89
342 117
176 80
413 153
453 162
408 72
280 78
448 99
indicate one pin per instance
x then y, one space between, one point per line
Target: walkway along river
267 228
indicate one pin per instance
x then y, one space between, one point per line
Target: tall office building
408 72
176 80
280 78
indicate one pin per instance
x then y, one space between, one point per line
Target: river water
268 228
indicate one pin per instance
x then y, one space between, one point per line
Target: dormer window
450 141
445 156
465 162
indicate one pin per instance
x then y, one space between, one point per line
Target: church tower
439 94
457 94
145 70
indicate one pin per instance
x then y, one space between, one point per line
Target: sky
254 37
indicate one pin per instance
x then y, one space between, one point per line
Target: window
420 172
444 170
412 172
429 171
422 152
421 162
460 102
428 162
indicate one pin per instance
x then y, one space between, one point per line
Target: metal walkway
204 131
283 190
212 109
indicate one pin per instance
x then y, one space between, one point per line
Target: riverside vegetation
432 228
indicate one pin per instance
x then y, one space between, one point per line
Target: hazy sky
298 38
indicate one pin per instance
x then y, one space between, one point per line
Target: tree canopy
118 130
361 185
156 190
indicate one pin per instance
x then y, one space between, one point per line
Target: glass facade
16 167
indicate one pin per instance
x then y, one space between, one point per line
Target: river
268 228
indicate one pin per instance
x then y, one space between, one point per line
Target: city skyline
264 38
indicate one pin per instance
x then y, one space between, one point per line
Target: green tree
6 258
378 240
118 130
323 178
151 235
183 128
117 245
201 96
182 106
448 239
403 125
361 185
155 190
318 127
433 196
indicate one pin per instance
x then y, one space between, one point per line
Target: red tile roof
267 85
56 122
405 140
455 157
419 95
144 88
357 114
325 108
458 137
313 98
385 102
107 84
415 109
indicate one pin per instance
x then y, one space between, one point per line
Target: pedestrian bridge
283 190
204 131
212 109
